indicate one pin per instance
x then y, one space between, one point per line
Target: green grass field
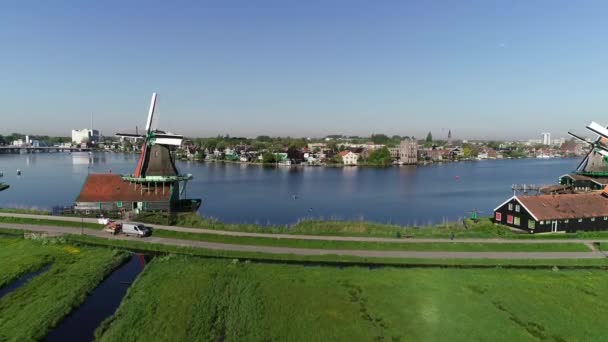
18 257
185 299
29 312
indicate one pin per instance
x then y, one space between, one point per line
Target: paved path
318 237
310 251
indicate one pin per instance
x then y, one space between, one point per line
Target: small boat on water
4 186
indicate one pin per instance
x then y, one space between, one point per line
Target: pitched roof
566 206
597 180
343 153
112 188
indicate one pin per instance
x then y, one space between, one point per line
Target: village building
349 158
408 151
580 182
394 151
107 193
555 213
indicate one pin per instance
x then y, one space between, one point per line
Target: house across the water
555 213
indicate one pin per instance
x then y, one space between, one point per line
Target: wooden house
555 213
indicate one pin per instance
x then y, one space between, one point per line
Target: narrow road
279 236
307 251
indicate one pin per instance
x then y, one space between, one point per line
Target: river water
241 193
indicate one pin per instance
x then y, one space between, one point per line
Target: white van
137 229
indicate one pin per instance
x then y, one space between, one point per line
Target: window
517 207
605 218
516 221
531 224
593 219
511 206
542 222
498 217
580 220
510 219
119 204
566 221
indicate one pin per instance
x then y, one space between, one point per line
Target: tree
337 159
269 158
429 137
380 157
2 141
380 139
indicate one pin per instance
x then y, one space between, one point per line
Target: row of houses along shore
407 152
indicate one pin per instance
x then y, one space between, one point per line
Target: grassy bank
18 257
183 299
24 211
44 222
482 228
29 312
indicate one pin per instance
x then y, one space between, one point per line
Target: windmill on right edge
592 172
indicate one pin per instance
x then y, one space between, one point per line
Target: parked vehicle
136 229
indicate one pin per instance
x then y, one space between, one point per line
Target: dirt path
307 251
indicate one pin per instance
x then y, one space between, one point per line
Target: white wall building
85 135
546 138
349 158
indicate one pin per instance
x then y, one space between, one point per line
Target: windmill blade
584 159
168 139
598 129
151 112
580 138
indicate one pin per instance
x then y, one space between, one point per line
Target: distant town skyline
486 70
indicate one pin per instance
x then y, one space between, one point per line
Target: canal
241 193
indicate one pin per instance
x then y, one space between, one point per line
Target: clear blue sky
306 68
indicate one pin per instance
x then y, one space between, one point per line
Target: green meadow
30 311
182 298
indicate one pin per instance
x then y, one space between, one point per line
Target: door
554 226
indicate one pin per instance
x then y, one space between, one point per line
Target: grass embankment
321 244
45 222
29 312
482 228
334 259
184 299
24 211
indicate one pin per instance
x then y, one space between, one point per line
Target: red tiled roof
343 153
566 206
111 188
